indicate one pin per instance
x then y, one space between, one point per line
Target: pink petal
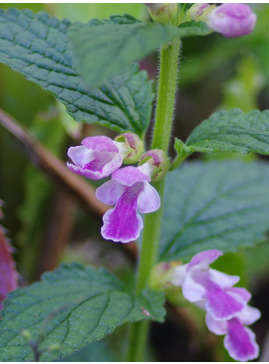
240 341
80 155
148 199
249 315
203 259
110 192
223 279
220 304
100 166
8 274
100 143
128 176
241 294
123 224
218 327
232 20
191 290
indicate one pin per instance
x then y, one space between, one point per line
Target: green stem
166 95
152 223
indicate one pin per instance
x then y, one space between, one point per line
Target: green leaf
232 131
103 51
73 306
37 46
98 351
214 205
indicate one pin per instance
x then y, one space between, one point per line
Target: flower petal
220 304
191 290
240 341
218 327
203 259
128 176
249 315
178 275
100 143
223 279
123 223
148 199
110 192
241 294
80 155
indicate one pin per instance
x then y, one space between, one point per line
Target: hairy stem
152 223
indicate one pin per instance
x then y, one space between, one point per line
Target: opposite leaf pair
129 187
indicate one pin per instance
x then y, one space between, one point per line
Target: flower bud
232 20
162 278
131 146
157 162
162 13
199 11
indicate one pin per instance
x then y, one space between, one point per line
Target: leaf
103 51
214 205
37 46
232 131
95 352
8 273
73 306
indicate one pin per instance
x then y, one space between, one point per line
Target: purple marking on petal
249 315
219 303
240 341
100 143
232 20
148 199
110 192
123 224
128 176
218 327
86 173
203 259
223 279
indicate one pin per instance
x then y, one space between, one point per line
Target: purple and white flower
97 157
130 191
232 20
227 307
239 340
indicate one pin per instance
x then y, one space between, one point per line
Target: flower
226 306
157 161
232 20
8 273
130 191
134 147
239 340
96 158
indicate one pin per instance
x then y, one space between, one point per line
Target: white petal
110 192
80 155
192 291
223 279
249 315
148 199
218 327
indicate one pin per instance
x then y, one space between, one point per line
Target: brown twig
54 167
73 184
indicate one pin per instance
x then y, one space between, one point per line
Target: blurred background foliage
47 226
